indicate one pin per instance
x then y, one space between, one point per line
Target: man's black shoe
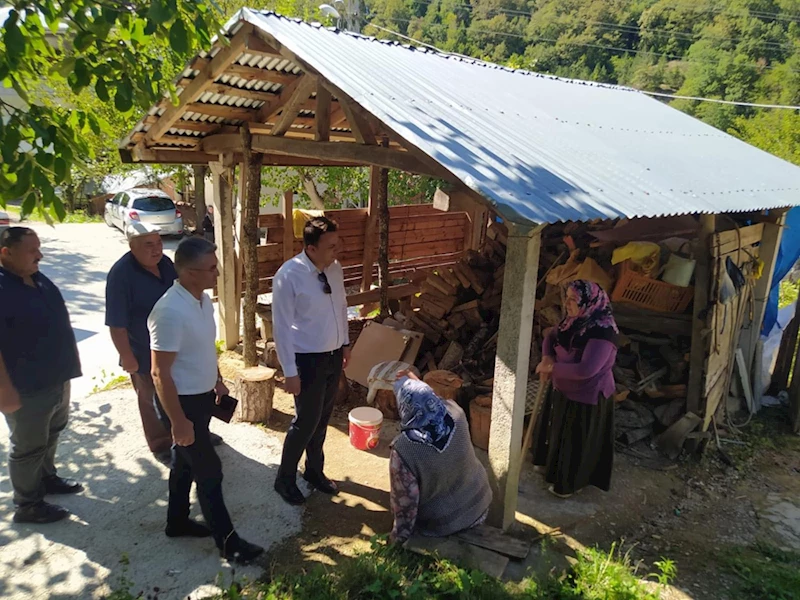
188 528
41 512
241 552
59 485
323 484
289 492
216 440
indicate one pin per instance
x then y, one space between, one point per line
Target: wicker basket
644 292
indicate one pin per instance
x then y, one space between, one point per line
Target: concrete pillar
511 369
227 296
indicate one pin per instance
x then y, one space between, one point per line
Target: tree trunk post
249 243
382 198
199 195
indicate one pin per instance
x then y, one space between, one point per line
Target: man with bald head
134 285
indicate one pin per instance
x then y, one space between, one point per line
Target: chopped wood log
457 320
461 278
452 356
446 302
474 319
254 388
441 285
449 277
470 276
476 343
419 325
444 383
428 288
492 303
498 274
433 309
271 356
473 304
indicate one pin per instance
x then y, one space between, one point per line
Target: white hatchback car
150 206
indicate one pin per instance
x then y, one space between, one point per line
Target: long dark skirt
575 443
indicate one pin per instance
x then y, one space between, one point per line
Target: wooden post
702 291
768 252
371 228
200 195
223 230
288 225
251 197
511 371
383 236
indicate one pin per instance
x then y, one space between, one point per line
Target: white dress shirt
306 320
181 323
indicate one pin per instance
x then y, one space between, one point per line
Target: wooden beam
702 293
288 225
210 72
231 90
291 108
223 111
257 46
511 372
223 230
338 151
268 111
382 198
322 114
395 292
371 229
358 125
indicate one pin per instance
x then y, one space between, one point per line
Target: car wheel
107 219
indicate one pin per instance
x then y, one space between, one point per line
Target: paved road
122 511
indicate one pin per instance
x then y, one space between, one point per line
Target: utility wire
648 93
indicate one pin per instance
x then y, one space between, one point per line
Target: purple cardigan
582 381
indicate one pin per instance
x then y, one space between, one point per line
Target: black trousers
319 380
199 463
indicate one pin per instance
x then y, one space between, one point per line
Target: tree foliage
115 51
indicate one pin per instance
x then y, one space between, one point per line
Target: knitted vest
453 485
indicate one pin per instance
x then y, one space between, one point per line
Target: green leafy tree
116 48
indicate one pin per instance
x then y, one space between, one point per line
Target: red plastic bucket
365 427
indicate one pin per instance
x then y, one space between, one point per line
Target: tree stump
387 404
445 384
271 356
480 411
254 388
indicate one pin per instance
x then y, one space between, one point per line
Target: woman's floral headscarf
423 415
595 319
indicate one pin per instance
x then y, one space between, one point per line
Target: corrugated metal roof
543 149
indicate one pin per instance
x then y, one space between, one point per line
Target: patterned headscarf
423 415
595 319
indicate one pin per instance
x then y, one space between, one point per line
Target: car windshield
153 204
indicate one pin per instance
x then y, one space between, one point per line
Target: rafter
256 74
359 126
268 111
223 111
291 108
322 114
207 75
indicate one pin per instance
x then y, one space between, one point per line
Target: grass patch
764 572
788 293
108 382
389 573
769 431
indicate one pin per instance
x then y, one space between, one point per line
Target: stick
537 408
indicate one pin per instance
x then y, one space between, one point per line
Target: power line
606 47
648 93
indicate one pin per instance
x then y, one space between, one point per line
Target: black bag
225 409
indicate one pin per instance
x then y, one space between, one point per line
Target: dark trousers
199 463
159 438
34 430
319 380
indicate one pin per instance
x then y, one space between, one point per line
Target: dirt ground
688 512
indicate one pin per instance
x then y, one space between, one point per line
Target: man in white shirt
188 385
309 323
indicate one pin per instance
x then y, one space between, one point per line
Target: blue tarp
788 255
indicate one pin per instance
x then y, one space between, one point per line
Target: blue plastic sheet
788 255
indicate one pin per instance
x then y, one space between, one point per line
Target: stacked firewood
458 311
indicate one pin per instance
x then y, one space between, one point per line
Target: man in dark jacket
38 358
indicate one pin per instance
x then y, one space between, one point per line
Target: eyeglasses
326 287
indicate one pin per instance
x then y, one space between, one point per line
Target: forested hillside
736 50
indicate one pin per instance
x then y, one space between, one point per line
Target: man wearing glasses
309 322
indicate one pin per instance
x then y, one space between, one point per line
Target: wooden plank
270 220
471 277
744 378
466 306
322 114
288 225
395 293
360 128
461 553
215 67
291 108
671 441
441 285
389 158
702 288
449 277
647 321
370 229
728 241
226 112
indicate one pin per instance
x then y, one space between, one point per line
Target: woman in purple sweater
578 356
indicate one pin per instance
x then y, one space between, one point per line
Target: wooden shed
533 149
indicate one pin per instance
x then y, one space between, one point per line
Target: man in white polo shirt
188 384
309 322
